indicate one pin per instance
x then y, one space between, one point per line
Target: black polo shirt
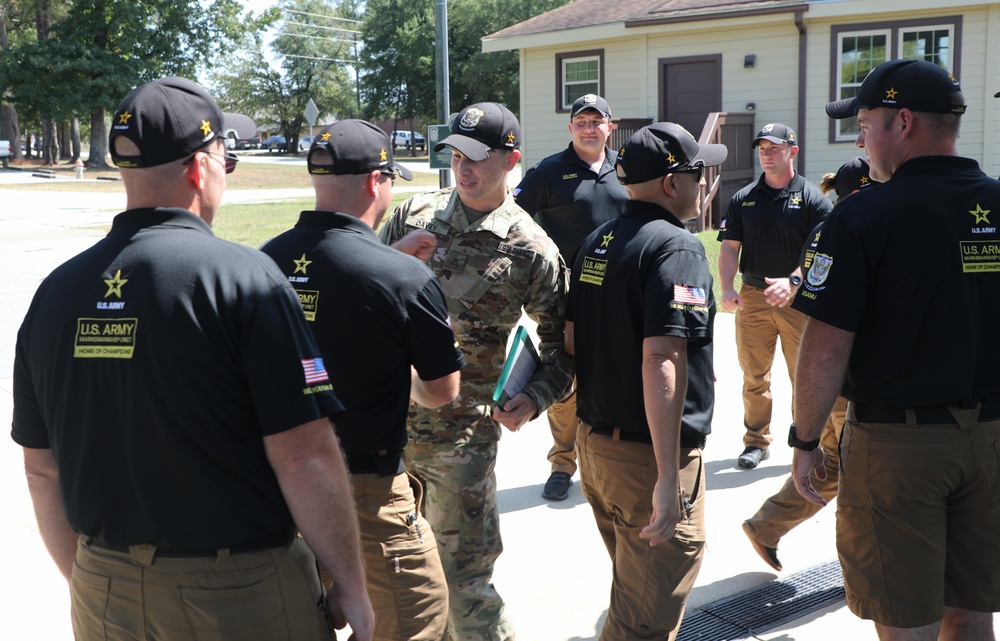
568 199
912 267
773 225
374 311
639 276
153 364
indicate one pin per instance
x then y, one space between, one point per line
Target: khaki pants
563 424
406 582
788 508
758 326
649 585
271 595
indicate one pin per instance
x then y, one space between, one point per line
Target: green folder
522 360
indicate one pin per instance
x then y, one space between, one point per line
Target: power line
302 35
319 15
316 26
353 62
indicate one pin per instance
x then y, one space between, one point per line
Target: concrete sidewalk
555 571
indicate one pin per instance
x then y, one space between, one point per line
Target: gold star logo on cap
864 180
980 214
670 158
124 117
510 138
301 264
891 93
607 239
115 284
206 127
325 137
382 155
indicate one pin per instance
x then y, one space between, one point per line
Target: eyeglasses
698 167
391 174
230 159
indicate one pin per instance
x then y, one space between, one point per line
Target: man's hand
419 243
666 514
350 610
731 301
518 411
780 292
802 464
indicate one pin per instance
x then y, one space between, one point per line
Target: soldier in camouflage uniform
492 260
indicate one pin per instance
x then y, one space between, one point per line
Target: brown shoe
770 555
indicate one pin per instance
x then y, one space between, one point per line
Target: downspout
803 67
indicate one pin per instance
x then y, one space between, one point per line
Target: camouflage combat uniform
489 269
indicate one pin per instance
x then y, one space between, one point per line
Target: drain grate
764 607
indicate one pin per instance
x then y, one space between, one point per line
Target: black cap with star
167 119
916 85
662 148
480 128
356 147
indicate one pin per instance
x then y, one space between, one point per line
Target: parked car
248 143
273 143
305 143
408 139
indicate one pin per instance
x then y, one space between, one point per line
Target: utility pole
442 81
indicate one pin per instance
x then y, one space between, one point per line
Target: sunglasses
230 159
390 173
698 167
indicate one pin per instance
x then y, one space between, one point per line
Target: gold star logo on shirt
891 93
300 264
795 200
980 214
124 117
115 284
206 127
607 239
325 137
382 155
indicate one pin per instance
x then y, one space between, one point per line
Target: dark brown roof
589 13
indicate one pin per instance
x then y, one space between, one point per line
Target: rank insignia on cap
471 118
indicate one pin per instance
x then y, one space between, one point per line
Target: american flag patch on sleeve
687 295
314 370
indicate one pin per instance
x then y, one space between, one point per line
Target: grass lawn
708 239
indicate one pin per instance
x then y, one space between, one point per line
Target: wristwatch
805 446
795 280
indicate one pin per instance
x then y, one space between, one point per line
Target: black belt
868 413
265 542
383 463
688 441
754 281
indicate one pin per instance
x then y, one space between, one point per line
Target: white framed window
861 48
578 73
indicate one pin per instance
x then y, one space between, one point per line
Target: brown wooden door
690 89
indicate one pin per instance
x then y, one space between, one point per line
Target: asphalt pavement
554 572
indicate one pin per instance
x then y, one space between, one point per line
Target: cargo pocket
235 614
89 598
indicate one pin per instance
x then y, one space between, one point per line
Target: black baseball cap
661 148
357 147
590 101
167 119
904 84
852 176
776 133
481 127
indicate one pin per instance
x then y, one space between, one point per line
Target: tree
313 46
399 54
102 49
